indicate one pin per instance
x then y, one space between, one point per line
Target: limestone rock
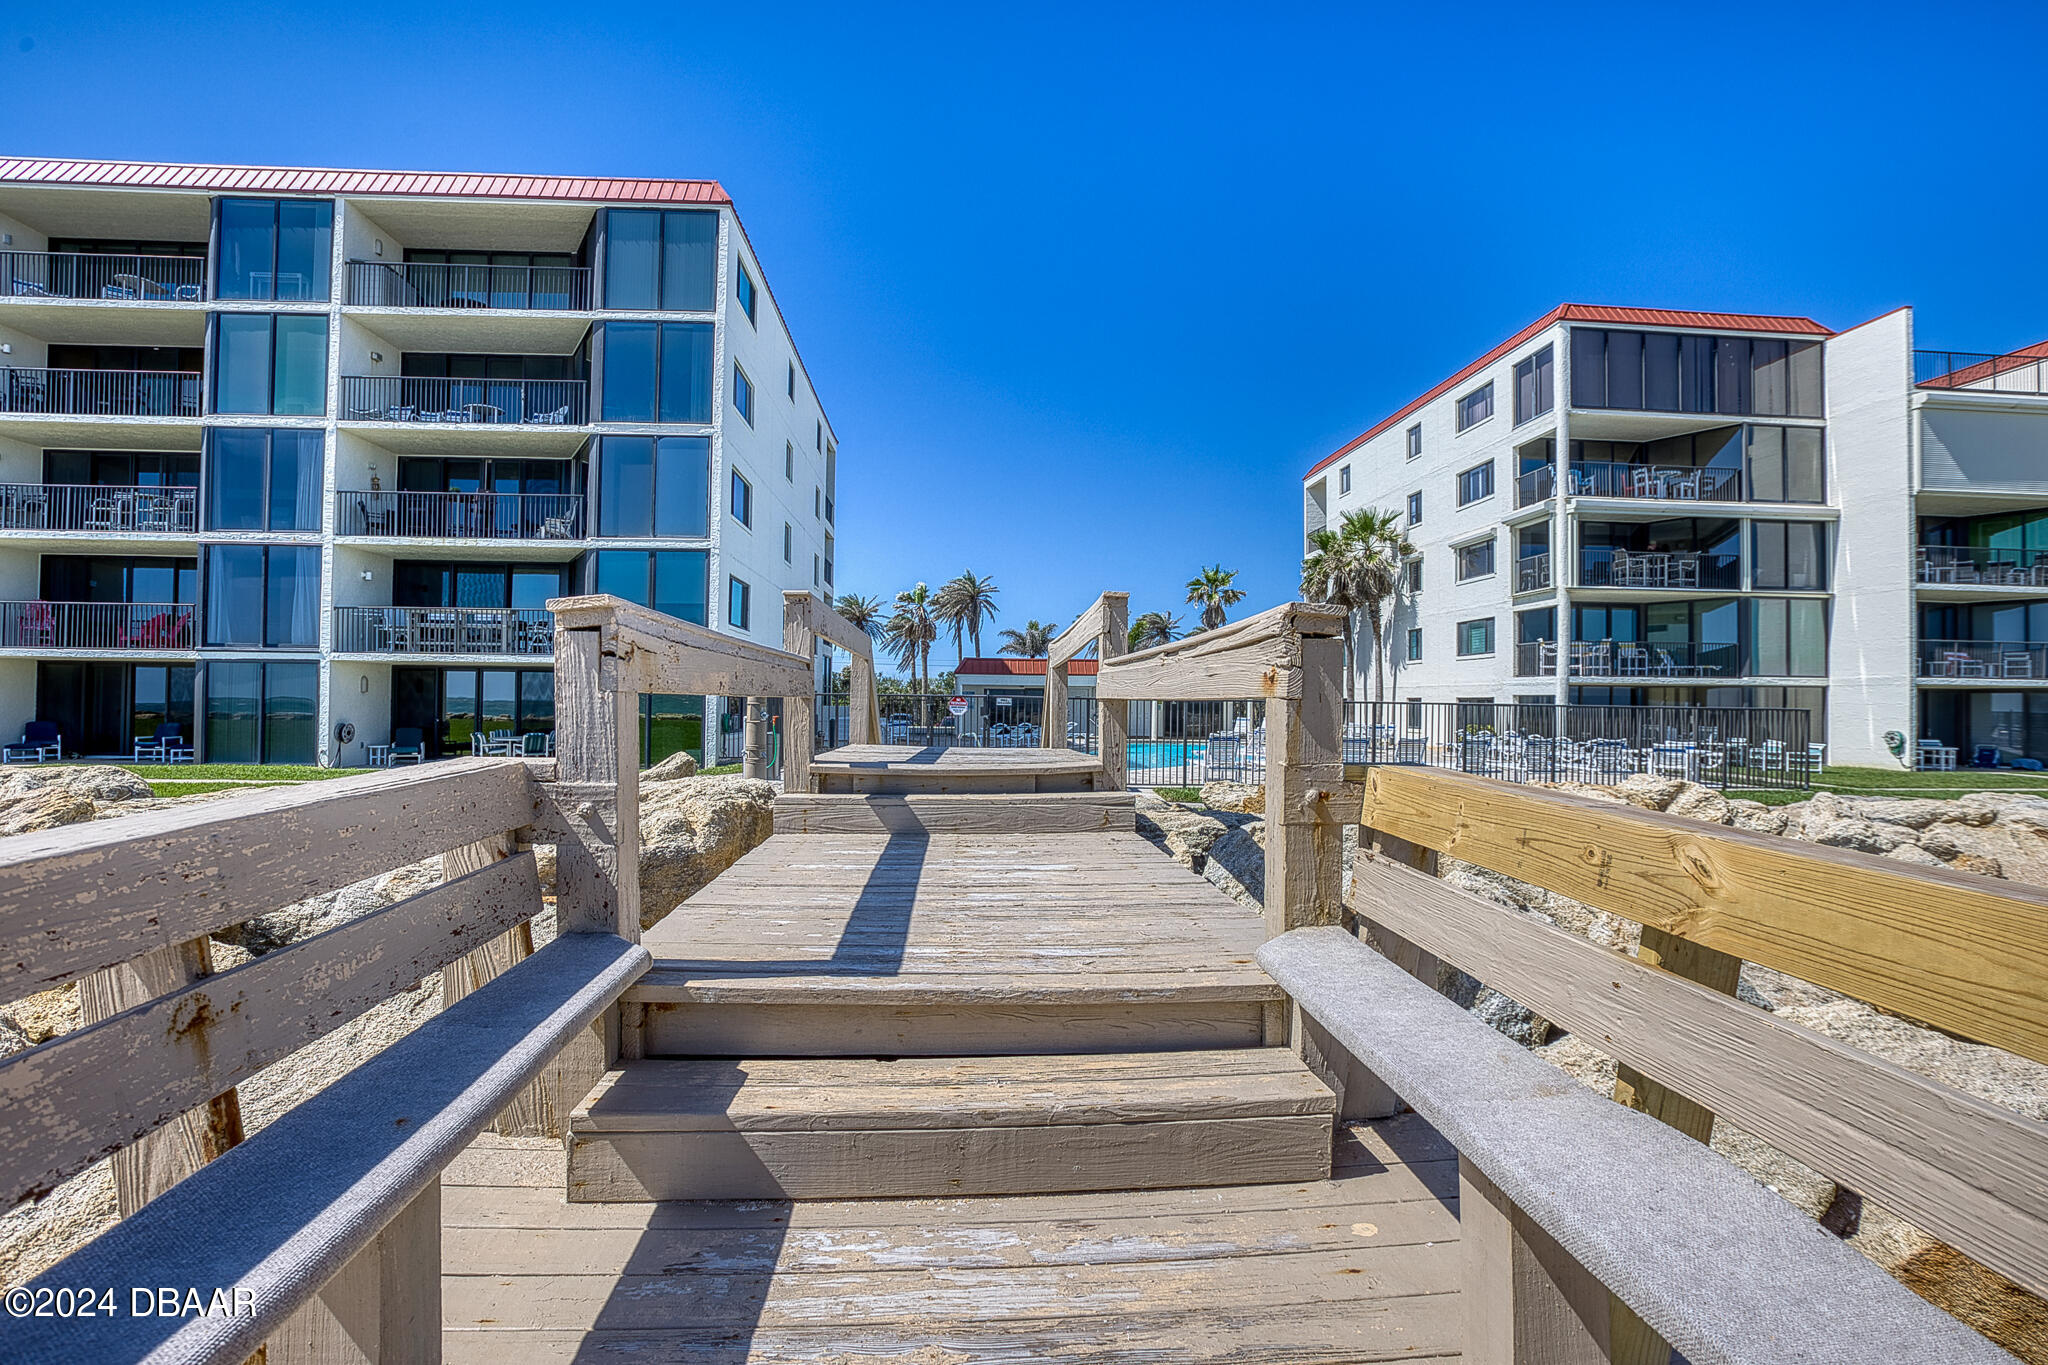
35 1236
670 769
1238 797
1937 1272
96 782
1236 864
305 918
48 809
692 831
43 1016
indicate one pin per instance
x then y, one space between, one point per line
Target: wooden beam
76 1098
650 651
1955 950
383 1307
1112 720
1259 656
597 749
1304 771
801 614
1053 733
1085 630
835 629
525 1115
76 899
1971 1173
863 704
1525 1300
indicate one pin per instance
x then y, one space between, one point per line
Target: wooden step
922 1127
1079 812
899 769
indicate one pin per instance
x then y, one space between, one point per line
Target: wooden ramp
1360 1267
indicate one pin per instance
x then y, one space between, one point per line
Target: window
672 581
788 542
1789 637
742 393
1690 372
1535 384
446 583
1475 560
789 461
262 713
1414 644
111 578
1415 509
792 381
1413 569
815 577
828 561
742 500
1475 483
275 249
1786 465
818 502
262 596
1476 406
1344 478
656 371
1475 637
738 602
743 285
1415 440
661 259
263 480
1414 709
654 486
1791 555
821 438
271 364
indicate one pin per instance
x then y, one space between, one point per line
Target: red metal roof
1584 312
1021 668
1990 367
303 180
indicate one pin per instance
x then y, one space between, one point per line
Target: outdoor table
380 755
1938 757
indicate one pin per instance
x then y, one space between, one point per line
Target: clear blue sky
1086 292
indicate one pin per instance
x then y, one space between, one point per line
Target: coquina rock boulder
49 797
692 829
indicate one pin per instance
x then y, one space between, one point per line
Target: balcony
460 516
1651 661
1536 659
100 393
1536 485
463 402
1980 566
98 507
1532 572
1603 566
1663 483
548 288
1989 661
2018 372
508 631
96 625
71 275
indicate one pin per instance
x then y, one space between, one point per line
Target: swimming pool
1154 753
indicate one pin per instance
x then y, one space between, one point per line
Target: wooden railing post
1525 1300
1112 718
864 706
1053 733
800 637
383 1306
754 757
1304 775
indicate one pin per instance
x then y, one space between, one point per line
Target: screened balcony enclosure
104 275
502 280
1684 553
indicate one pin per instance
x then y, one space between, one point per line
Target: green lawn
1183 794
722 770
225 773
1895 782
202 788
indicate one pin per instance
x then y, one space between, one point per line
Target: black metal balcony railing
377 284
1981 565
1532 572
1669 483
74 275
1602 566
1990 660
101 393
96 625
522 632
460 516
97 507
2019 372
1536 659
490 402
1644 659
1536 485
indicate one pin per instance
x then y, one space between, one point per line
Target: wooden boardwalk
1361 1267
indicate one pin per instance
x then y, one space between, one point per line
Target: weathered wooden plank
1304 771
963 759
1971 1173
1084 631
881 1028
76 1098
958 813
802 615
650 651
597 747
383 1307
863 702
1113 718
837 631
1259 669
525 1114
1525 1301
156 1161
88 896
1956 950
1298 619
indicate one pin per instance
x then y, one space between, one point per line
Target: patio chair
1634 660
1984 756
38 624
562 526
167 745
1643 481
401 412
408 745
30 289
378 523
1686 486
2016 663
1667 665
502 744
39 741
558 417
1816 757
103 514
535 744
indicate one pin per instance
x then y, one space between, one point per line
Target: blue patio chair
408 745
39 740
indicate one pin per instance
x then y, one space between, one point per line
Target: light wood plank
1259 656
1112 717
1526 1302
944 1029
957 813
1084 631
650 651
802 616
89 896
74 1099
1304 771
1956 950
1971 1173
381 1308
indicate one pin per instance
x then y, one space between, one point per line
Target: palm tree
912 630
1154 628
965 605
1031 642
864 612
1211 588
1359 567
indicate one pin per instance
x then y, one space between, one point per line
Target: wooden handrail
1260 656
1105 624
806 620
641 650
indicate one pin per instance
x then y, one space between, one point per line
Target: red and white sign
958 706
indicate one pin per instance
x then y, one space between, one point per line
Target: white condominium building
1647 506
291 459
